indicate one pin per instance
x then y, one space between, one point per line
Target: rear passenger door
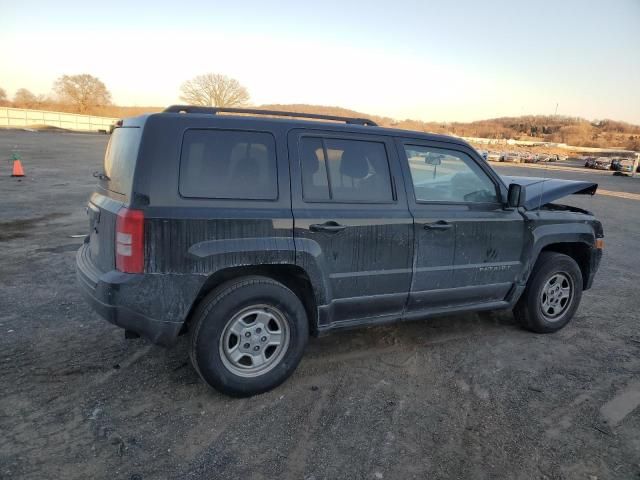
351 223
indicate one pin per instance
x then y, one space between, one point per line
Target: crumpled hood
539 191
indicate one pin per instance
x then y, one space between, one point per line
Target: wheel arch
578 251
575 240
294 277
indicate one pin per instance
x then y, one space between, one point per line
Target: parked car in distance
484 154
250 233
624 165
590 162
494 156
615 164
512 157
602 163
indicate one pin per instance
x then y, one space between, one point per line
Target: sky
441 60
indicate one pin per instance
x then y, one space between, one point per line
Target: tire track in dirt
297 460
208 432
622 404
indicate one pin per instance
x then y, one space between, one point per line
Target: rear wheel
552 295
248 336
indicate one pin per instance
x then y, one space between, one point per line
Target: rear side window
120 159
344 170
228 164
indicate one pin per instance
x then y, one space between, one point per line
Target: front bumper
127 300
594 263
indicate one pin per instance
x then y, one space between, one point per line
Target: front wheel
248 336
552 295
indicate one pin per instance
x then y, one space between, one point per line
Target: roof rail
254 111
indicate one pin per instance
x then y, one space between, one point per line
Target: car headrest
354 164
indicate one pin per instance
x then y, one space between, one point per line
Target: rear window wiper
101 176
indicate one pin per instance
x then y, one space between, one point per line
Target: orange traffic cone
17 169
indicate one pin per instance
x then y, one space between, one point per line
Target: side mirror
515 196
434 160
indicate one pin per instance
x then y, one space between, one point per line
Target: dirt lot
470 396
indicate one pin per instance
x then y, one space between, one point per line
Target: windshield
120 159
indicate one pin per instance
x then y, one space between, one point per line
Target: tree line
551 128
81 93
87 94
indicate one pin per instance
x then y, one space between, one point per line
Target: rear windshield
120 159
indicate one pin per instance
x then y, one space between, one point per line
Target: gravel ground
468 396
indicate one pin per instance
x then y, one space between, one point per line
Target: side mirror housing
515 196
432 159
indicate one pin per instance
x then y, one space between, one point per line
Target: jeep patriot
251 230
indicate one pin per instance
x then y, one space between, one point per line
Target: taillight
130 241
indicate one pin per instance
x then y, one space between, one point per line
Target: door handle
328 227
439 225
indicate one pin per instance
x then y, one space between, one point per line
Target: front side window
441 175
228 164
344 170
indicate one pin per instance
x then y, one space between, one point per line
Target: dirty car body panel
467 252
361 250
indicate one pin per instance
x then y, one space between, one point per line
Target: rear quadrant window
226 164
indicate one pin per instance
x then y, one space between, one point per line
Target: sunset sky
427 60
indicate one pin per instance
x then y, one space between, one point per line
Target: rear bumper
123 299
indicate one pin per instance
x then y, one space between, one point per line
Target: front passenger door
468 246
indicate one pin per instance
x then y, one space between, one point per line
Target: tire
541 307
241 365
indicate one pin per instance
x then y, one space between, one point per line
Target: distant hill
551 128
122 112
570 130
326 110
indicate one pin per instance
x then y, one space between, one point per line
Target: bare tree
83 92
4 100
24 98
214 90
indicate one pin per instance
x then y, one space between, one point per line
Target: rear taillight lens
130 241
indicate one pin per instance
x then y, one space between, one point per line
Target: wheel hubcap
556 296
254 340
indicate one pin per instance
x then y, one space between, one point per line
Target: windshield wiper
101 176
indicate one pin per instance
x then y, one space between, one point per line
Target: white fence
20 117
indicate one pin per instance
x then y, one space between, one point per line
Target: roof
294 120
